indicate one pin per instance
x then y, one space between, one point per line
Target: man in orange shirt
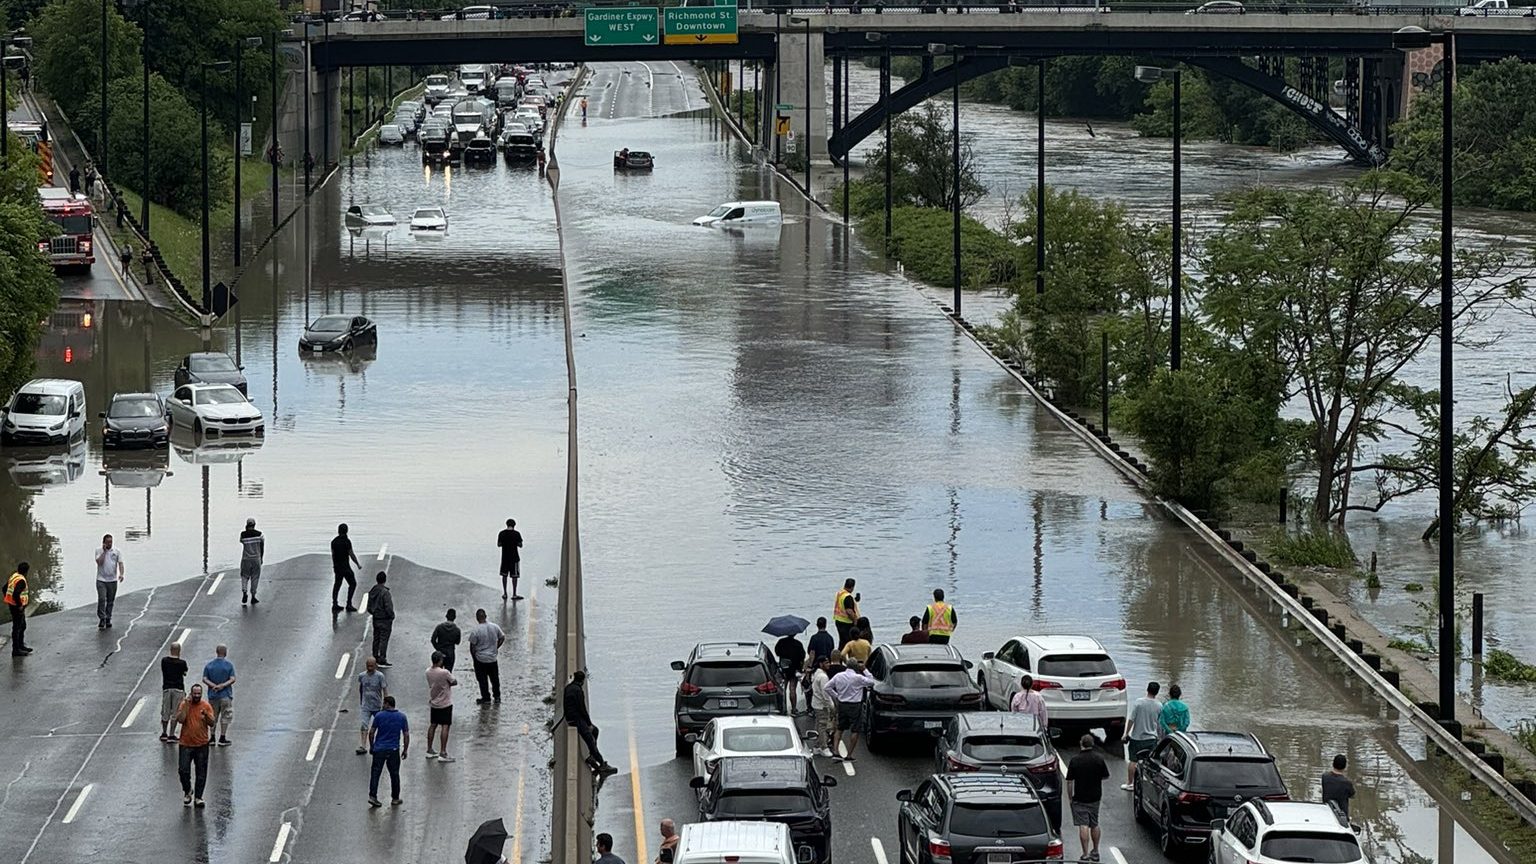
196 718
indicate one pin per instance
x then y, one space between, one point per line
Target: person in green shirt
1175 714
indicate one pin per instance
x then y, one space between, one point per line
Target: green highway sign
784 106
622 25
699 25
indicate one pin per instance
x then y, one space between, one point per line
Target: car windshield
929 676
1317 848
211 363
720 211
331 324
747 673
142 407
428 214
1002 748
76 225
755 740
1001 820
751 803
1076 665
1236 774
38 403
218 396
437 80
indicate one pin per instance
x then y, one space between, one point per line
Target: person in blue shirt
219 682
390 741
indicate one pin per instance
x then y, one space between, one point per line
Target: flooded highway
763 415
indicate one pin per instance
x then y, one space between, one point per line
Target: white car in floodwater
733 213
429 219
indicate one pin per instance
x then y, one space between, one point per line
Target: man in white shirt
1028 701
822 706
109 572
846 689
1141 732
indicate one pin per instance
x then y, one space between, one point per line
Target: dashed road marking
875 844
341 665
1114 853
74 809
1061 765
383 549
314 745
281 844
185 635
842 749
217 581
134 714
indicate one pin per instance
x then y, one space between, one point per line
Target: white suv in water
1073 674
1271 832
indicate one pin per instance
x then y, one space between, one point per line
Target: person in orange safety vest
16 600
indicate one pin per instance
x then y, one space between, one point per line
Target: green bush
1504 666
1317 546
175 153
922 240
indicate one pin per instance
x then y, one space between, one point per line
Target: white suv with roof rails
1272 832
1075 676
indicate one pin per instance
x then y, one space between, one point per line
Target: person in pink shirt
440 684
1027 701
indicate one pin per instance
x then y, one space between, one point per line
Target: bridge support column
802 74
328 93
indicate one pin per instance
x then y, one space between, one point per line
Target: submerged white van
735 842
43 411
743 213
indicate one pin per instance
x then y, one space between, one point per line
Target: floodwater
763 415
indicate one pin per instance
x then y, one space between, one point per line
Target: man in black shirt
381 606
510 541
1337 787
446 638
173 684
341 553
822 644
1085 788
577 718
791 656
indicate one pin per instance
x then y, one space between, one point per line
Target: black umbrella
485 845
786 625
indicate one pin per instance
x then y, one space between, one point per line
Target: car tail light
970 697
689 689
888 698
1043 768
1041 684
1113 684
1192 797
767 687
938 848
1054 850
956 765
1278 796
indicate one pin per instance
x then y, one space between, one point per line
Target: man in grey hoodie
252 549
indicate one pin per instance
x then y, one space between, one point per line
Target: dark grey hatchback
724 679
974 819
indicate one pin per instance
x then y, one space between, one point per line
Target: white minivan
735 842
743 213
44 411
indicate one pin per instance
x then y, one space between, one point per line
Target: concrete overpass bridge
1253 49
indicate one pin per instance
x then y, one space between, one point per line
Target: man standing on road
381 606
1337 787
1175 714
252 549
823 706
196 718
845 611
219 680
791 656
821 644
484 641
939 619
440 684
372 687
1085 789
109 574
390 741
341 554
510 540
445 640
17 597
605 850
577 718
173 684
1141 733
1029 701
667 851
917 635
847 691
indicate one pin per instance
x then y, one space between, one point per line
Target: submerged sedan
338 333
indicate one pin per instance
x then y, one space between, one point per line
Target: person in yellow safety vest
17 598
845 611
939 619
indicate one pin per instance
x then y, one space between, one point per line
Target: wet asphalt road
763 414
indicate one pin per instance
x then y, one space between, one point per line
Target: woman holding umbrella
791 654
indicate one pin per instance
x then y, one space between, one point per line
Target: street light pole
272 155
808 127
101 157
203 106
1040 181
240 113
954 186
144 177
1148 75
308 157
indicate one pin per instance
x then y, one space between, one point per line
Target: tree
1337 289
1194 426
29 290
67 51
923 164
184 34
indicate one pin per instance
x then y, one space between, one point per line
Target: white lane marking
1114 853
314 745
874 843
281 844
382 549
185 635
847 766
1061 765
217 581
74 809
341 665
134 714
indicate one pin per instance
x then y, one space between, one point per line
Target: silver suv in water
724 679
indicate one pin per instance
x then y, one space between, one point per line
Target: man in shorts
1141 733
372 687
440 684
1086 774
173 684
219 683
847 691
341 555
510 540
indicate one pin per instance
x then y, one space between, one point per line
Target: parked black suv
1003 742
974 819
918 688
724 679
1192 778
774 789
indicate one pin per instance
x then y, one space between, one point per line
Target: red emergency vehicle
74 245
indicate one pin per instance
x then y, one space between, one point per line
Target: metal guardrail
855 7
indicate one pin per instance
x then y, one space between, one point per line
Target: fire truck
74 245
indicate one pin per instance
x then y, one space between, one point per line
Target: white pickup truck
1497 8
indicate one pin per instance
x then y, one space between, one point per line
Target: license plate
727 703
999 858
311 347
934 724
1082 695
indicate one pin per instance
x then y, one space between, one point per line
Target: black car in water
480 151
135 420
773 789
338 333
1192 778
210 367
1003 742
974 819
918 689
724 679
